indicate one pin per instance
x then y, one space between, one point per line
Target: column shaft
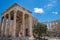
23 22
30 26
4 25
9 24
14 33
1 26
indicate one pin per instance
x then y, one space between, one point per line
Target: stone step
17 38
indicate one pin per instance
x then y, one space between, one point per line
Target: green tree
40 29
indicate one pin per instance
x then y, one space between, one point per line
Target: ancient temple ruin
16 22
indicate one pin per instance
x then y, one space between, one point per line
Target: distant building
53 27
49 25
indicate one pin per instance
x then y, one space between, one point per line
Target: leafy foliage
39 29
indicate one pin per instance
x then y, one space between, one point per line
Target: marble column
23 22
4 25
1 26
14 33
9 19
30 26
6 29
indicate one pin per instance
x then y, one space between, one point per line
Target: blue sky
43 10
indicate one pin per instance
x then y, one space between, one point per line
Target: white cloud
38 10
55 12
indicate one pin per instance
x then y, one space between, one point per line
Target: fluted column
1 27
23 22
30 28
6 29
14 33
9 19
4 25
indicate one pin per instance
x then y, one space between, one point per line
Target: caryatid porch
16 22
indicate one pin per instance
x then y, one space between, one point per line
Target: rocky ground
53 39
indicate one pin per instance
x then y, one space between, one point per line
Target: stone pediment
15 5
